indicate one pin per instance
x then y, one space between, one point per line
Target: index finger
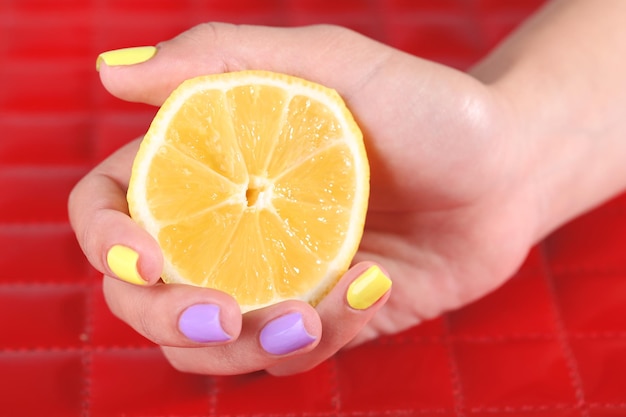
112 242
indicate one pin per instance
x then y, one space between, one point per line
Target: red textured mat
551 342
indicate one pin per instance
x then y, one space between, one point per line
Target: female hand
450 214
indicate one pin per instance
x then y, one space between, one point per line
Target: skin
468 170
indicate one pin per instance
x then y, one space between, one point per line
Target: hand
450 217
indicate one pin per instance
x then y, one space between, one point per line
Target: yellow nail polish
123 262
126 56
364 291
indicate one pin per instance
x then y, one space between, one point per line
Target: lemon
253 183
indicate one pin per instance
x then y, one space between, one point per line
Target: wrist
524 161
561 76
570 149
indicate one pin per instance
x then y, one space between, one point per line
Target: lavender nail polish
285 334
201 323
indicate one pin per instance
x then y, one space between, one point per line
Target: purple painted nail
285 334
201 323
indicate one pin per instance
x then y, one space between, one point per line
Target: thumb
330 55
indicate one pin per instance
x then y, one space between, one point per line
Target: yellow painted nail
364 291
122 261
126 56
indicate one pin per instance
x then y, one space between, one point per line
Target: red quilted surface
551 342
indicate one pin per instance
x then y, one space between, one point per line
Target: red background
551 342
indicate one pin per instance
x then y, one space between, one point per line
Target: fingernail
122 261
126 56
201 323
364 291
285 334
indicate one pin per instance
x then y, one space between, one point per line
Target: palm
444 219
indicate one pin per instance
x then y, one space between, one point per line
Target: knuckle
336 32
145 322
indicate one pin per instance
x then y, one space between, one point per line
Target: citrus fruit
253 183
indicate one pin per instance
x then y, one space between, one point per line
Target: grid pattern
550 342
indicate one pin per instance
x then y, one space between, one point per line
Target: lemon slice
253 183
